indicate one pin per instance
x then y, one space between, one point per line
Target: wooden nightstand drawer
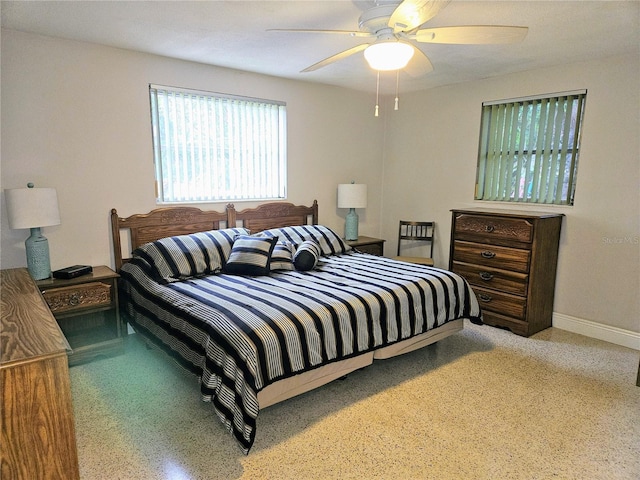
373 249
88 295
374 246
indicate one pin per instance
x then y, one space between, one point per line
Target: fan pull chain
377 93
397 88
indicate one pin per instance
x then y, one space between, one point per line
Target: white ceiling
233 34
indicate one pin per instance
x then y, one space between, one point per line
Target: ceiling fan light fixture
388 56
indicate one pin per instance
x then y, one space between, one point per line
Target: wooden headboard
170 221
273 215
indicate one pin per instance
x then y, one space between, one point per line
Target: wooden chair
417 233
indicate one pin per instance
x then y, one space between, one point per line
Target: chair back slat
416 231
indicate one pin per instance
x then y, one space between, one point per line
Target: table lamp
352 195
34 208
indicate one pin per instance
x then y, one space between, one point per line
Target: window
529 149
211 147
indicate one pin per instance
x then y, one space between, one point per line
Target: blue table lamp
34 208
352 195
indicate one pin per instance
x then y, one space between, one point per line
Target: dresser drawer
503 280
505 258
75 297
510 305
488 228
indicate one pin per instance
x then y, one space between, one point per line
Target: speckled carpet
481 404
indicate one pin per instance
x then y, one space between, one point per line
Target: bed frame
170 221
138 229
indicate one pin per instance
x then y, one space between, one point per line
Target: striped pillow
306 257
251 255
185 256
282 257
329 241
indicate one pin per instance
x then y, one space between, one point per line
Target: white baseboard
610 334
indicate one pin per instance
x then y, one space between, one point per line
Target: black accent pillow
306 256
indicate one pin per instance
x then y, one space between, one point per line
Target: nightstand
86 308
374 246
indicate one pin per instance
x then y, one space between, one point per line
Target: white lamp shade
32 207
352 195
388 55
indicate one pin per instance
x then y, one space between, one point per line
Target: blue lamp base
38 262
351 225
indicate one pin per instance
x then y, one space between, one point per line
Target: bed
194 283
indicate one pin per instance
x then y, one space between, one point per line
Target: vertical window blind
528 149
211 147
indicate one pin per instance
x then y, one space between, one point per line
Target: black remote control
73 271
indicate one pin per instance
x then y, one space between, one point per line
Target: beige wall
75 116
430 163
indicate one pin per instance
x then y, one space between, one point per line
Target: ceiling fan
393 26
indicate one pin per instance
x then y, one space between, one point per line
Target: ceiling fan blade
472 35
306 30
336 57
411 14
419 65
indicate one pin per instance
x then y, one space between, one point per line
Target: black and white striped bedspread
240 334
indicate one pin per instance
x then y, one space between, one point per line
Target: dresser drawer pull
484 298
489 228
486 276
487 254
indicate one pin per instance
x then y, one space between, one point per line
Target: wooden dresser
509 258
37 424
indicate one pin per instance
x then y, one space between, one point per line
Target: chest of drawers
37 426
509 258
